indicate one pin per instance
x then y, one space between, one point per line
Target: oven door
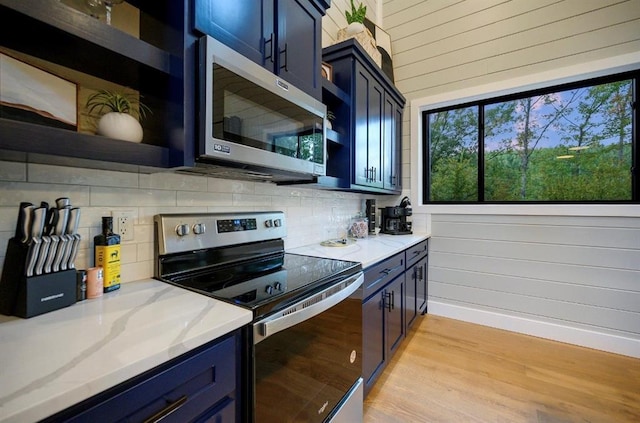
308 357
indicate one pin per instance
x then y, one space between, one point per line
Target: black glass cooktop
267 283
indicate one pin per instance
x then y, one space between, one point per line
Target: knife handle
75 245
73 221
37 221
53 249
32 256
23 230
61 225
43 254
63 202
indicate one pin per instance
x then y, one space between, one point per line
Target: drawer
417 252
377 276
197 385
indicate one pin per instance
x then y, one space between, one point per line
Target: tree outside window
557 146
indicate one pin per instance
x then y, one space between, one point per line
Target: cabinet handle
374 173
270 42
421 276
174 406
393 300
389 300
286 55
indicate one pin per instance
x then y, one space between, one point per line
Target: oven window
248 114
303 372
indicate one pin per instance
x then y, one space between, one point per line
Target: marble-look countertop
52 361
368 250
55 360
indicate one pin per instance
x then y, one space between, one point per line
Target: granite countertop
368 250
55 360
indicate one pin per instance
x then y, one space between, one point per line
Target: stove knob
199 228
278 286
268 289
182 230
268 223
277 223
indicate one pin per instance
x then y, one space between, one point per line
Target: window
572 143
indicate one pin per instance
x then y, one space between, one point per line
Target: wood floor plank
453 371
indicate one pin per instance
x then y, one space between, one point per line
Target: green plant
105 101
330 115
356 15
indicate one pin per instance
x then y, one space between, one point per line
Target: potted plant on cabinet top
119 114
355 19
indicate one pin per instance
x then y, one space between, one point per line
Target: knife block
24 296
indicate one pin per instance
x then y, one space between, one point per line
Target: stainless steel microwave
255 125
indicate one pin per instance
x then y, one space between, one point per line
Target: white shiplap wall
565 273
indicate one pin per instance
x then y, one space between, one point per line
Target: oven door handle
306 308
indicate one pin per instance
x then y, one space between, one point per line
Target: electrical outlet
123 224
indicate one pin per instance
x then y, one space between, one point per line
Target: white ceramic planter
120 126
355 28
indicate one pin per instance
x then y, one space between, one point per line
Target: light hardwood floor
453 371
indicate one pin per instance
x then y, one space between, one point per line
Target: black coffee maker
394 219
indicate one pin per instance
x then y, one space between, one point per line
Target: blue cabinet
202 385
156 63
417 261
383 315
395 294
284 36
372 122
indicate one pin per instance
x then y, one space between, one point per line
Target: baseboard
584 338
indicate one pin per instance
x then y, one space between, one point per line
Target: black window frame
635 135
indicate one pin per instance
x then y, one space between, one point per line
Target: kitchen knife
49 230
60 228
63 202
43 254
37 224
72 230
23 227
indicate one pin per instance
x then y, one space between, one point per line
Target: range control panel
177 233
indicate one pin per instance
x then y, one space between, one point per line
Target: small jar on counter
359 227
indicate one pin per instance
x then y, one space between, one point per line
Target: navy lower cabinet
416 278
395 294
383 320
201 386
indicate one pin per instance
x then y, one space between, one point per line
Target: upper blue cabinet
284 36
153 57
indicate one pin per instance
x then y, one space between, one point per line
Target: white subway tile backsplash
233 186
242 200
128 253
121 197
145 251
188 198
308 211
174 181
79 176
12 193
13 171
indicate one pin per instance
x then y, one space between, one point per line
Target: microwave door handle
271 325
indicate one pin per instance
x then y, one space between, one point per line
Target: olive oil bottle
106 248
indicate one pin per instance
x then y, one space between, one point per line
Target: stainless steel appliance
255 125
304 345
394 219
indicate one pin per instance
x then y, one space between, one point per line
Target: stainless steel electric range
303 357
